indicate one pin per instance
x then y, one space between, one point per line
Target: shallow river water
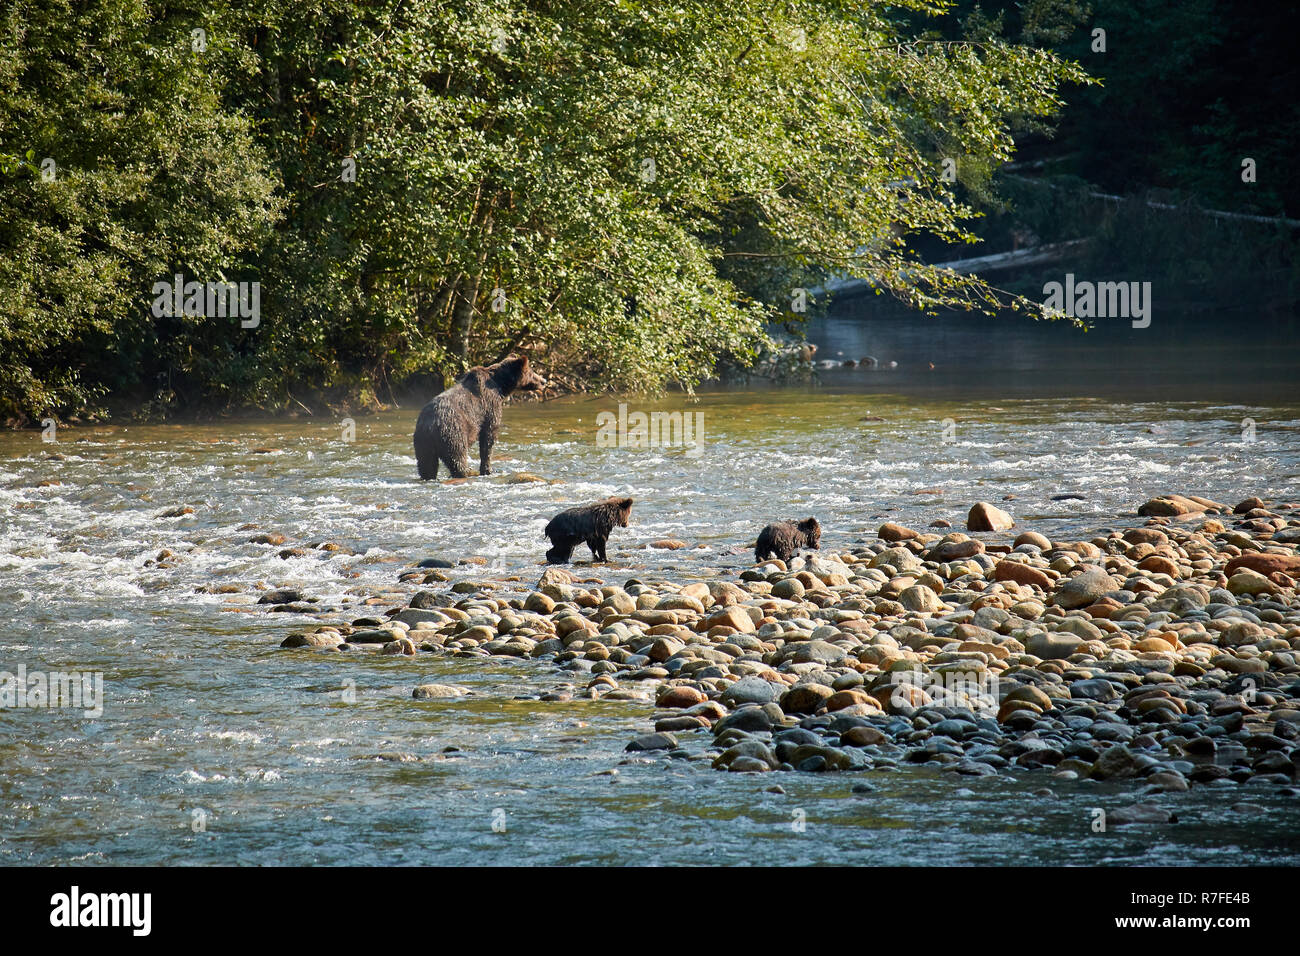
215 746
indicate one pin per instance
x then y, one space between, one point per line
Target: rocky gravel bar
1165 653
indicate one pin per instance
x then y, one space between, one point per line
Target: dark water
1225 357
216 746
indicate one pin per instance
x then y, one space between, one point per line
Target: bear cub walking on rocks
469 411
590 523
784 538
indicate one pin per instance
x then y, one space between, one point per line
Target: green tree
626 190
626 187
120 165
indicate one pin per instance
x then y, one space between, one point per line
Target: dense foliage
1189 91
1193 123
625 189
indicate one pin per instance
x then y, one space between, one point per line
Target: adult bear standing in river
784 538
469 410
590 523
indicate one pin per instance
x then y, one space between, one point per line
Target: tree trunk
431 315
462 320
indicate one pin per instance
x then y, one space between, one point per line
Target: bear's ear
508 375
625 504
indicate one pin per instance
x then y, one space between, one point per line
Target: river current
216 746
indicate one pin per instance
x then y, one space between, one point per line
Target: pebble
1129 656
439 692
1084 588
986 517
748 690
1140 813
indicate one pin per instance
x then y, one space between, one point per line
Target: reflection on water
1225 357
216 746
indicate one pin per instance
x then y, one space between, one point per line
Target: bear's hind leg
486 439
428 468
561 552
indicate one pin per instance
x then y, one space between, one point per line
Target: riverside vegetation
1166 653
419 187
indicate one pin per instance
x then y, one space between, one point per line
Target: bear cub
784 538
590 523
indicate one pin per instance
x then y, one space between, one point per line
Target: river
215 746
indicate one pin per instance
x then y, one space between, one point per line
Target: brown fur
784 538
470 410
590 523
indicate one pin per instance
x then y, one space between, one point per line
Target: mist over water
218 747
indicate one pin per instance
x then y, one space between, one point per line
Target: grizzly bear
590 523
469 410
784 538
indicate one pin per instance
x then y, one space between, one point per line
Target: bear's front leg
485 442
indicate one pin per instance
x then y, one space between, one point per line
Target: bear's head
624 510
475 379
514 374
812 531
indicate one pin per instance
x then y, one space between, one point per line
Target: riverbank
873 345
1163 651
